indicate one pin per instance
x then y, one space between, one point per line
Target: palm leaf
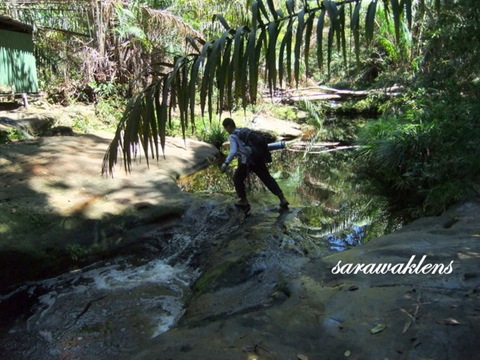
197 63
204 84
159 127
320 26
271 58
298 44
285 53
308 37
408 11
222 20
231 64
355 26
256 17
238 60
396 18
253 66
262 8
370 21
271 6
290 7
342 35
224 78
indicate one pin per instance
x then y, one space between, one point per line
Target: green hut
18 73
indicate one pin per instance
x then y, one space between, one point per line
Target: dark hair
228 122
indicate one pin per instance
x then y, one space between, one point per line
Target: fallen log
325 93
326 150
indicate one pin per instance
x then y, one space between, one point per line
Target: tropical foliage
83 44
425 148
179 61
225 72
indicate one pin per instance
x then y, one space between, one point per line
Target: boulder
283 129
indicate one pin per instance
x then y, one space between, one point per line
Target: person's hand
223 168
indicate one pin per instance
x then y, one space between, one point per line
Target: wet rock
302 307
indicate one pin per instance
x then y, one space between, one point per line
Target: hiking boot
242 203
283 201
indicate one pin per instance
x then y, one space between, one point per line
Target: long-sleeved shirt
236 149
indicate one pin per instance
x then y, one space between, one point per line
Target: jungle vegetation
198 59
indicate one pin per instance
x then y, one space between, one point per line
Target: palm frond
231 62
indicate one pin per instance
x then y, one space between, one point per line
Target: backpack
257 143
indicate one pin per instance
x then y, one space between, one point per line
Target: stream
107 309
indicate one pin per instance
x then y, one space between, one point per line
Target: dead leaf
378 328
449 321
347 353
302 357
407 326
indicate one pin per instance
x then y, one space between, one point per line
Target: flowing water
110 307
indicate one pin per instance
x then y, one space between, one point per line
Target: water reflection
334 207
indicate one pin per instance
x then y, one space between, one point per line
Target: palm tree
227 69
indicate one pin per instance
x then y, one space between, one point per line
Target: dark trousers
261 171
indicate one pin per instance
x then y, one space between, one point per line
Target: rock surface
260 294
260 299
55 205
281 128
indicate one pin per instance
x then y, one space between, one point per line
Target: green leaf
298 44
396 11
148 116
204 85
130 137
331 37
342 36
159 128
211 70
239 64
290 7
408 12
355 26
335 28
253 65
308 37
271 58
163 114
370 21
223 21
255 14
271 6
320 25
193 83
284 46
192 41
263 9
224 80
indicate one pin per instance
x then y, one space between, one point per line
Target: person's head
229 125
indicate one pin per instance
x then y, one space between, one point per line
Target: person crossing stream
251 159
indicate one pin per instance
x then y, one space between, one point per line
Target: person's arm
233 151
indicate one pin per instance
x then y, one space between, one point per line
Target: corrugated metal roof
9 24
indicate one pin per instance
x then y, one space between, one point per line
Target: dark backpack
257 143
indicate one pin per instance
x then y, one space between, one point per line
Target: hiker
246 165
